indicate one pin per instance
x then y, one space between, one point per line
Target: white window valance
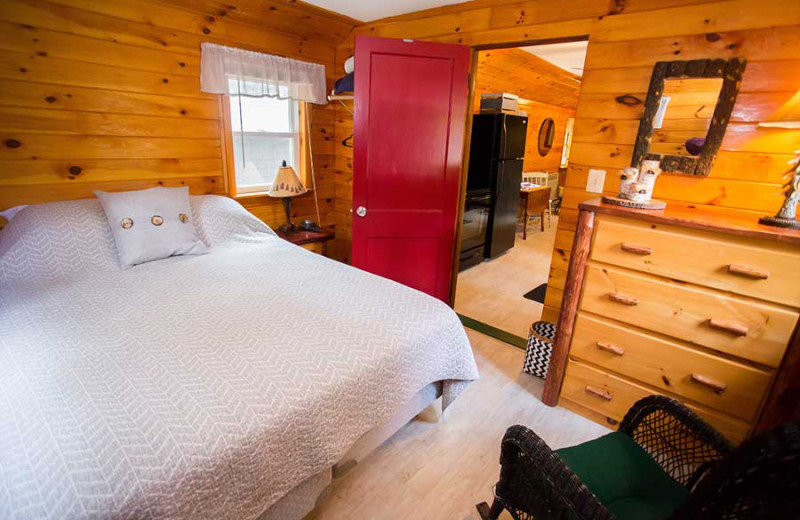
226 70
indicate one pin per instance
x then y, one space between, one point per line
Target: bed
225 385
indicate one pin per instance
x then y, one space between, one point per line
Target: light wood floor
440 469
492 291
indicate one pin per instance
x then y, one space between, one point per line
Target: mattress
301 500
196 387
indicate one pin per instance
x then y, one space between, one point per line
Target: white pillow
11 212
151 224
56 240
223 221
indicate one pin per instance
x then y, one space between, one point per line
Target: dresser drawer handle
624 300
716 386
602 394
608 347
729 326
637 249
748 271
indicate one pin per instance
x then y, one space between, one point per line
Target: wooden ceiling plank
528 76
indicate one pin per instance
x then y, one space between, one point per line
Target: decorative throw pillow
151 224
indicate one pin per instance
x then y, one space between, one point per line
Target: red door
410 104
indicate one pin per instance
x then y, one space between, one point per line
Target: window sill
251 195
257 194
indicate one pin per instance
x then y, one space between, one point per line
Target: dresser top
718 220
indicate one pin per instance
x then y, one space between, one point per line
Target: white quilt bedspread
207 386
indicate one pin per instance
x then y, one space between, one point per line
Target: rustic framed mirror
688 107
547 134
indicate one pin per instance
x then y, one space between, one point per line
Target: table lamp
285 186
787 117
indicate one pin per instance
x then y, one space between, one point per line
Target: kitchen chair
665 462
537 202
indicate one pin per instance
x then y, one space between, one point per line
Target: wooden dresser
701 306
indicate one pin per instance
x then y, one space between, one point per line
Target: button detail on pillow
166 236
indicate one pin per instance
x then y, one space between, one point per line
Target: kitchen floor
492 292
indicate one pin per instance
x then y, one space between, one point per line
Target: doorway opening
523 111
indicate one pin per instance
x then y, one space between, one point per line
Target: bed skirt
301 500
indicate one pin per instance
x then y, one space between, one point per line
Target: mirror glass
547 134
684 115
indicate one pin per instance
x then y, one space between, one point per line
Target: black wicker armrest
682 443
758 481
535 482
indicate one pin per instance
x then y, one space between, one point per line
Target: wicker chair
758 480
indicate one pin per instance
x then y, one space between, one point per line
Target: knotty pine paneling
626 37
113 88
537 113
341 246
545 91
283 16
527 76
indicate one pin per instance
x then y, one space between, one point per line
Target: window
264 132
567 142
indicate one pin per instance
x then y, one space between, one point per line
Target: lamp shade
788 116
286 183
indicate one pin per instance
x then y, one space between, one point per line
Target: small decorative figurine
628 178
648 175
787 216
636 187
638 192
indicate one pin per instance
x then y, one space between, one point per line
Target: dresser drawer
744 328
731 387
612 396
740 265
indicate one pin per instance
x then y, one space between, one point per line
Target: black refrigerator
497 150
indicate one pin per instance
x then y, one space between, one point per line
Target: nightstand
316 241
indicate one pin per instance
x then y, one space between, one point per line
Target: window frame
228 158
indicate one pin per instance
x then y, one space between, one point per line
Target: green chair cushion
624 477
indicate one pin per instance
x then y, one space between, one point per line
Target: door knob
361 211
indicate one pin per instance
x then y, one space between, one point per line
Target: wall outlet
596 181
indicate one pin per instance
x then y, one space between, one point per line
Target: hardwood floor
492 292
440 469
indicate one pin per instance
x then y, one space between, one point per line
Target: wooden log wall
341 246
106 95
537 113
626 38
545 91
